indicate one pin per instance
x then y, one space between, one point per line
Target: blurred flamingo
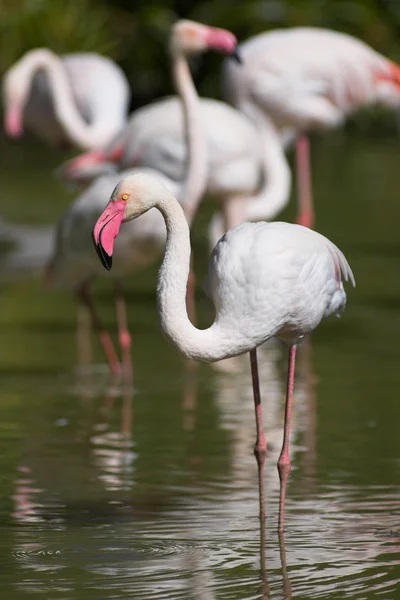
266 280
80 99
308 78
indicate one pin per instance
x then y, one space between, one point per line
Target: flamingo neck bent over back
82 134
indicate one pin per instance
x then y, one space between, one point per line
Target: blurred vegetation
134 32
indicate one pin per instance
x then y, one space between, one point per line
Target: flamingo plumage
265 279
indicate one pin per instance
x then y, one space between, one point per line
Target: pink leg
105 340
305 208
284 460
124 337
260 448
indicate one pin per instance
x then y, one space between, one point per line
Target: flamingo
265 279
73 264
308 78
80 99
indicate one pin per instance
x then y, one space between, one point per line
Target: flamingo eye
125 197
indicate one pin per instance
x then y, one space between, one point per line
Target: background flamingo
80 99
266 280
308 78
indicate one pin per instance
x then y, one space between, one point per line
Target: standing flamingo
266 280
308 78
80 99
71 262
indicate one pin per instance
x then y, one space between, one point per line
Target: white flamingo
308 78
72 261
266 280
80 99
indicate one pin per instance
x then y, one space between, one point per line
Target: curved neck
79 132
209 344
196 177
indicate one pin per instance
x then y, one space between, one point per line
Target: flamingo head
189 37
133 196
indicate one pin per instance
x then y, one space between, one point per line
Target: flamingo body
309 77
275 279
155 138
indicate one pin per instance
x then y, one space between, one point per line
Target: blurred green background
134 32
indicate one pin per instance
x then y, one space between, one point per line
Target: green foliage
64 26
134 32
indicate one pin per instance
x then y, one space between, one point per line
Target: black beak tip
105 259
237 55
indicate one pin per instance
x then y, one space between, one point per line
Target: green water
153 494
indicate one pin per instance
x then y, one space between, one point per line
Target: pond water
108 492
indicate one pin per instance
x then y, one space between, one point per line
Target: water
153 494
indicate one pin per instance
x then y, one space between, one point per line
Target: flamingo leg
305 205
260 448
124 337
105 340
234 211
83 331
284 460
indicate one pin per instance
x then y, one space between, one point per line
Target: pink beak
106 230
222 41
13 122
